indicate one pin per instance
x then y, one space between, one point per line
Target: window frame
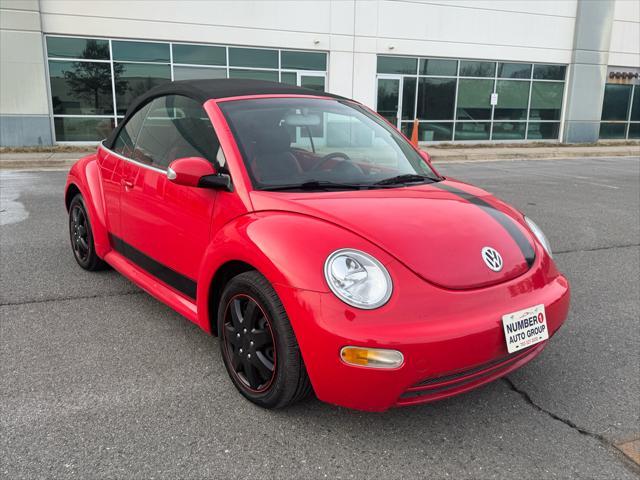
154 166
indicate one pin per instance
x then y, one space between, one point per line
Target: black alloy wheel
249 342
259 348
81 236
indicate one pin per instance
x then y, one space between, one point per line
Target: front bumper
452 341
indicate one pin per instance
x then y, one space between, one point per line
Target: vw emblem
492 259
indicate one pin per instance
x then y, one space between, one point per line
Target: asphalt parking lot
100 380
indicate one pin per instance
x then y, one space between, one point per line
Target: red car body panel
445 311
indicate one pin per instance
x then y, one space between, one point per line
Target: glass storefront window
634 130
477 69
467 131
140 51
543 130
303 60
546 100
253 57
549 72
438 67
452 105
82 129
474 97
133 79
312 82
509 130
513 98
290 78
82 85
199 54
269 75
613 130
514 70
408 98
436 98
397 65
615 105
435 131
195 73
80 88
388 98
85 48
635 107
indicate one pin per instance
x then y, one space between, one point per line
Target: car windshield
316 144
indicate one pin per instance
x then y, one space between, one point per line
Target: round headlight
542 238
358 279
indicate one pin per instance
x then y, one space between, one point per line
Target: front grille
436 386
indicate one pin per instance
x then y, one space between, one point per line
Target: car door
110 162
166 227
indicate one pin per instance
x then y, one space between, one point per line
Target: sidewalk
439 154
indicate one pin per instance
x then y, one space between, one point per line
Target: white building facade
467 70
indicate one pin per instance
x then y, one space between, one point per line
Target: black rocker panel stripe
172 278
503 219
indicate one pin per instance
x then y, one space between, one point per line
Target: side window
126 139
175 127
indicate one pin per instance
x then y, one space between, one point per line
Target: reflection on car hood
437 230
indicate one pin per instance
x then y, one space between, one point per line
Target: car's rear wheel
259 348
81 236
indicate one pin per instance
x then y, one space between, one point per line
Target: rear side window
126 139
175 127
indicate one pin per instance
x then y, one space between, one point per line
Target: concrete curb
64 161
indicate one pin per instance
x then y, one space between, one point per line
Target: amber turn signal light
371 357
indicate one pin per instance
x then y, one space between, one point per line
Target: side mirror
197 172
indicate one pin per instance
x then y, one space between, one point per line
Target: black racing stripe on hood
503 219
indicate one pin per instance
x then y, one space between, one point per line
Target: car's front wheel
259 348
81 236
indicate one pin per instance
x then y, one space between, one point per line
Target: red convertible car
317 243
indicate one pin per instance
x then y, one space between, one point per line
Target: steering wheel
328 157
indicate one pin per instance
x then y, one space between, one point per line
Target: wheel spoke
261 338
250 373
235 361
263 365
83 243
250 313
231 334
75 215
236 314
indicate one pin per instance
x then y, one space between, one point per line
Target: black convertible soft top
203 90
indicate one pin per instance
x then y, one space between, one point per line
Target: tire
81 236
249 300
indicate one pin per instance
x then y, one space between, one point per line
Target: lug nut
240 350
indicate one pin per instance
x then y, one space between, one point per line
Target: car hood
437 230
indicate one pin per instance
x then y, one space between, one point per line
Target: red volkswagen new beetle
321 247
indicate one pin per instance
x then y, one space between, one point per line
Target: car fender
289 249
85 176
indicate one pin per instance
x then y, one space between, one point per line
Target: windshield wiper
406 178
315 185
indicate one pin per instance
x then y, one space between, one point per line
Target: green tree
91 81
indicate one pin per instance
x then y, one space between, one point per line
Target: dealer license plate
525 328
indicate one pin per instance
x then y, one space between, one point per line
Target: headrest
272 140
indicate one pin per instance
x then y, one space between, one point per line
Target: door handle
127 184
